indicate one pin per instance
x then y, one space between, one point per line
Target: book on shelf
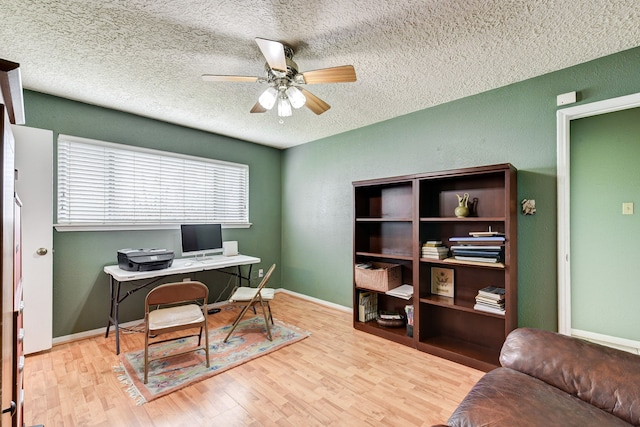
478 253
477 240
434 249
452 260
492 292
476 259
435 253
441 256
408 309
404 292
489 301
367 306
487 309
485 233
483 254
426 251
491 305
390 315
477 247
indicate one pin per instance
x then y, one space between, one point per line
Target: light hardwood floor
335 377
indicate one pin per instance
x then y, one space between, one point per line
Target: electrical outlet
627 208
260 272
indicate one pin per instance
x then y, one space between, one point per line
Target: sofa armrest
601 376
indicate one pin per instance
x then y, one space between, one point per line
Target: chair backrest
176 293
266 277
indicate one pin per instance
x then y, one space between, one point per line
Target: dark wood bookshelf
393 217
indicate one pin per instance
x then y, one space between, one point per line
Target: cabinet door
6 267
18 309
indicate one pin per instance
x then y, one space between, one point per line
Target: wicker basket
382 277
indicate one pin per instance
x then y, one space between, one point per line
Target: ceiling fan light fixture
286 83
296 97
284 107
268 98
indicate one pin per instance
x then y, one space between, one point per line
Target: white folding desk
179 266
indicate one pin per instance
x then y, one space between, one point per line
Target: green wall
80 287
515 124
605 151
301 198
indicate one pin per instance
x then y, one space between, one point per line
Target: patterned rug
248 342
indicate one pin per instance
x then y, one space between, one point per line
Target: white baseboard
316 300
95 332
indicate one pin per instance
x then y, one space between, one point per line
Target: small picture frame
442 281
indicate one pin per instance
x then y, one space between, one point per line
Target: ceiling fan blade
314 103
213 78
258 108
342 74
273 53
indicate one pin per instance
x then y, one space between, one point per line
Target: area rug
248 342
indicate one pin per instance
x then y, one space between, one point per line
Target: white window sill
129 227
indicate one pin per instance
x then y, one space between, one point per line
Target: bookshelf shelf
456 305
496 265
398 335
395 216
383 219
464 352
467 219
385 256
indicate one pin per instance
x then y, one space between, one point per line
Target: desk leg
114 287
240 276
116 316
112 296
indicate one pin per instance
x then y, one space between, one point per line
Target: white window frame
165 209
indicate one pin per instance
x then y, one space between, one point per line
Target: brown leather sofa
548 379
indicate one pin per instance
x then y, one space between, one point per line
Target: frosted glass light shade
284 107
268 98
296 97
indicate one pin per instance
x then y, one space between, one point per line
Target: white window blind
101 183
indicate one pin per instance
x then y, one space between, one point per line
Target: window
106 184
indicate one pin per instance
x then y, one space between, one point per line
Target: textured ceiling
146 56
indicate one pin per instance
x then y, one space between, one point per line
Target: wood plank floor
336 377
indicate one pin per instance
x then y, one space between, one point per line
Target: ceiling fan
284 80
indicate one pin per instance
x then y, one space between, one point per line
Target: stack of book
478 248
490 299
434 249
367 306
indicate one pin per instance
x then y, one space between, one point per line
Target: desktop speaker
230 248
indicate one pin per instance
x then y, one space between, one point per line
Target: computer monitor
201 239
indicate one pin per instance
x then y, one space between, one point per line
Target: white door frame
564 118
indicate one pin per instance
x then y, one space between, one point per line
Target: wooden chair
252 297
177 308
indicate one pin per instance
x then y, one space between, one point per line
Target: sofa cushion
504 397
602 376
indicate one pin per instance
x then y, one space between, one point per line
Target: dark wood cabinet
395 216
18 308
11 411
12 331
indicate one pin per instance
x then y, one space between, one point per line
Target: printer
144 259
